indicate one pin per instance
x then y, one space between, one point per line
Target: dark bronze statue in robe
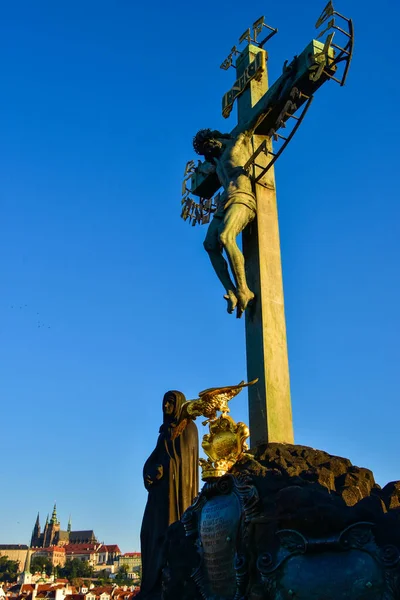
171 477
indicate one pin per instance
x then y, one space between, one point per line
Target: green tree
8 569
38 563
75 568
103 577
122 576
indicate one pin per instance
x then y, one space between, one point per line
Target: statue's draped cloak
177 452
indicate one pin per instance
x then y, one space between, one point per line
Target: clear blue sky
107 297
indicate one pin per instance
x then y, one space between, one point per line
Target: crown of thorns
203 136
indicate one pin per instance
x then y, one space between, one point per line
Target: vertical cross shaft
270 412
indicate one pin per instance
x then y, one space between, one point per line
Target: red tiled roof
131 554
49 549
100 590
44 587
109 548
81 548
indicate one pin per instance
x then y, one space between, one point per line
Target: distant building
26 575
53 535
132 561
85 552
16 552
108 554
56 554
60 545
62 590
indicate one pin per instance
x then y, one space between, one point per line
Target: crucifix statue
241 162
226 155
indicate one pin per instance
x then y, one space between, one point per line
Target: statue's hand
195 408
147 481
150 480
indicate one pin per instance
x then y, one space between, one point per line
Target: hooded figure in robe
171 477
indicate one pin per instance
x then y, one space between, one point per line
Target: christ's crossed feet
239 300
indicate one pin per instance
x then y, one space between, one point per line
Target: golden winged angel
214 399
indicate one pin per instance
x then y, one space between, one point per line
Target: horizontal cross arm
265 115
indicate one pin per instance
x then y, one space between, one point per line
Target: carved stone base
310 526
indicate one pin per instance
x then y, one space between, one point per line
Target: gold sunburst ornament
226 441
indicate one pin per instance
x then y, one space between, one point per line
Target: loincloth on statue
225 201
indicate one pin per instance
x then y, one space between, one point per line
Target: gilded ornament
225 443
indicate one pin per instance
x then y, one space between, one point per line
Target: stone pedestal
312 526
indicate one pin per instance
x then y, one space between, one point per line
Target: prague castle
59 546
53 535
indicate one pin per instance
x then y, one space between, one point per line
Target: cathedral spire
36 529
53 519
36 532
69 524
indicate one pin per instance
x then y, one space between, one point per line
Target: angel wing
213 399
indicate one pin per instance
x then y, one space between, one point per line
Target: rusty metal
278 136
319 61
280 122
269 36
345 50
246 36
326 13
197 212
228 62
262 148
305 108
253 71
250 36
257 29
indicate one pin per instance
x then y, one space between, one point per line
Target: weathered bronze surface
170 476
217 524
357 568
226 156
229 157
253 71
242 164
270 411
218 530
312 527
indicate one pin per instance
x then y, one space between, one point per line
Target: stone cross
270 411
263 111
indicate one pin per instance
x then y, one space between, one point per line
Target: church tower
35 539
52 530
53 519
26 576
